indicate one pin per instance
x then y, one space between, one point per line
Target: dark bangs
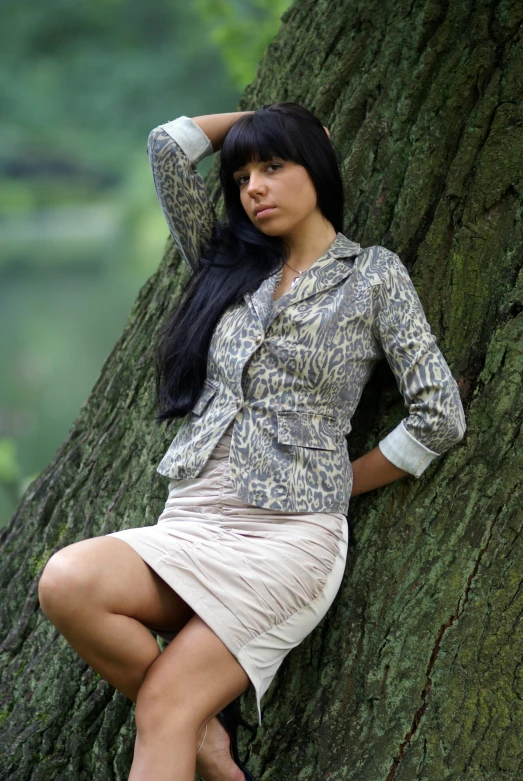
255 138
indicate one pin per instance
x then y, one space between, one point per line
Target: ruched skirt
260 579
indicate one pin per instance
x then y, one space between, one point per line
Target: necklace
297 271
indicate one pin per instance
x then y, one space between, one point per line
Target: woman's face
282 185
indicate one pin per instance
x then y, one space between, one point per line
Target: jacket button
259 339
238 403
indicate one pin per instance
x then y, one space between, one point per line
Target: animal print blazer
290 372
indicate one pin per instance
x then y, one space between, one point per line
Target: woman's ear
327 131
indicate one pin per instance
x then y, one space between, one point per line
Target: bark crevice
460 607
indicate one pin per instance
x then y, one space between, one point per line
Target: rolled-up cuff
406 452
190 137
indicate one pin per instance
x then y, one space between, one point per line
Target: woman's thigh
106 573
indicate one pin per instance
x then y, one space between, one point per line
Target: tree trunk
416 671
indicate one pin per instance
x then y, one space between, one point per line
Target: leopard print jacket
288 374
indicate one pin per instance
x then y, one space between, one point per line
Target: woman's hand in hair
216 126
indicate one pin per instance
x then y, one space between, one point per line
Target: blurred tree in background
242 31
81 86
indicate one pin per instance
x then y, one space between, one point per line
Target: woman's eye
239 181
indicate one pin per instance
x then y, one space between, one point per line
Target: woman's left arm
436 418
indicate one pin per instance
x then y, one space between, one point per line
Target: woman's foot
214 761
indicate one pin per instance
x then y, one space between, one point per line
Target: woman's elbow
456 427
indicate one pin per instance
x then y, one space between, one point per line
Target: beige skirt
261 579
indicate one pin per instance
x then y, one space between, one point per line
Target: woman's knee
105 573
66 577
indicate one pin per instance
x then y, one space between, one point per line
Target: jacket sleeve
436 418
174 149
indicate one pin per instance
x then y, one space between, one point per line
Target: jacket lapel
260 302
325 272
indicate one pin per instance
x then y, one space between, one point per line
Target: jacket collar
324 273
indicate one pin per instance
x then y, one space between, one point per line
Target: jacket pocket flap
209 389
308 429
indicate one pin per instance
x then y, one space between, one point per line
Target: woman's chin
268 230
275 228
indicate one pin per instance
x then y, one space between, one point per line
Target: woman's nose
256 183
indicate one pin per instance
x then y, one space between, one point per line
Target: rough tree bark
416 672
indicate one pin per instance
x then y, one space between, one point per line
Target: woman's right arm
175 148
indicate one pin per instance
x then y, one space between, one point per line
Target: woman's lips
265 212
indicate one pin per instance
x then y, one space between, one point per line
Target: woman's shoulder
375 264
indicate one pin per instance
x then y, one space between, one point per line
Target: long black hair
238 256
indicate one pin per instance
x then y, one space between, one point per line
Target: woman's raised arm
216 126
175 148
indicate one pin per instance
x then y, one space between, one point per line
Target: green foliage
81 84
11 481
242 31
9 469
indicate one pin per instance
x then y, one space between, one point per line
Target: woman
266 356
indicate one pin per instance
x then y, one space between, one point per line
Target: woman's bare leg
191 681
102 596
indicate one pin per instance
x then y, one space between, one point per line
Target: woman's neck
309 245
